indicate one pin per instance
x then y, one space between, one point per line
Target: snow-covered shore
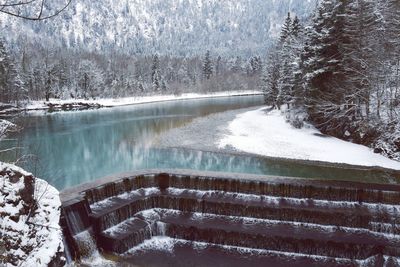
29 220
114 102
268 134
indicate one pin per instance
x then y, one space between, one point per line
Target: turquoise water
69 148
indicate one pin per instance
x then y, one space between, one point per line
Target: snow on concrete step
280 236
124 236
345 214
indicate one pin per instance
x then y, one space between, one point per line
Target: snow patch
37 242
157 243
268 134
168 244
5 126
114 102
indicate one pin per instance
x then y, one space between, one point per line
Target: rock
31 235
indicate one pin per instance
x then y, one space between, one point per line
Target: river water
69 148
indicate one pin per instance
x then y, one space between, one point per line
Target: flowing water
69 148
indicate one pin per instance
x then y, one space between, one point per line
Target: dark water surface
76 147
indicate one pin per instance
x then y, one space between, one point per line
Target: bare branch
21 3
11 9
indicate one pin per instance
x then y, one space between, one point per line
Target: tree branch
9 9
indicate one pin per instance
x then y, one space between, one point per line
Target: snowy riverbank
29 219
253 131
113 102
268 134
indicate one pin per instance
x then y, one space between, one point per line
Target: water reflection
77 147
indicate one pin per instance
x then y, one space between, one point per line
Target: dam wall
325 220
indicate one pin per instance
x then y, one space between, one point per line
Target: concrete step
251 233
124 236
279 236
344 214
198 254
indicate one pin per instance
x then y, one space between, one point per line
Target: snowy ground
254 131
5 127
28 244
113 102
207 131
268 134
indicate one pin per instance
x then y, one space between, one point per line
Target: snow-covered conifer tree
207 66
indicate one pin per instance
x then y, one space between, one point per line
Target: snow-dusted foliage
29 216
11 83
6 127
111 49
156 26
341 72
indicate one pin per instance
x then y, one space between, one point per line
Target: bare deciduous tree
31 9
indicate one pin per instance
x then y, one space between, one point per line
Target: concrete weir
276 220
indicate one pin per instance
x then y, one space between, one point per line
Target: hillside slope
170 27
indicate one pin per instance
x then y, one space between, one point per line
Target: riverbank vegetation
46 73
147 47
341 72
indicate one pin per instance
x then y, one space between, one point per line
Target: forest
341 72
103 49
64 75
338 69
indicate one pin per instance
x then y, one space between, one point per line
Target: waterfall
77 231
88 250
161 229
77 216
75 222
246 213
86 244
67 251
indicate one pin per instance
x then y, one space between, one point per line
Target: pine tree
392 27
207 66
359 55
256 65
163 87
38 81
4 74
156 81
323 66
296 47
269 80
296 28
62 71
155 69
285 81
218 66
286 28
141 88
11 84
50 81
236 64
137 73
389 94
18 87
287 56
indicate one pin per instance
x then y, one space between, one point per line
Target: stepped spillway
254 219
